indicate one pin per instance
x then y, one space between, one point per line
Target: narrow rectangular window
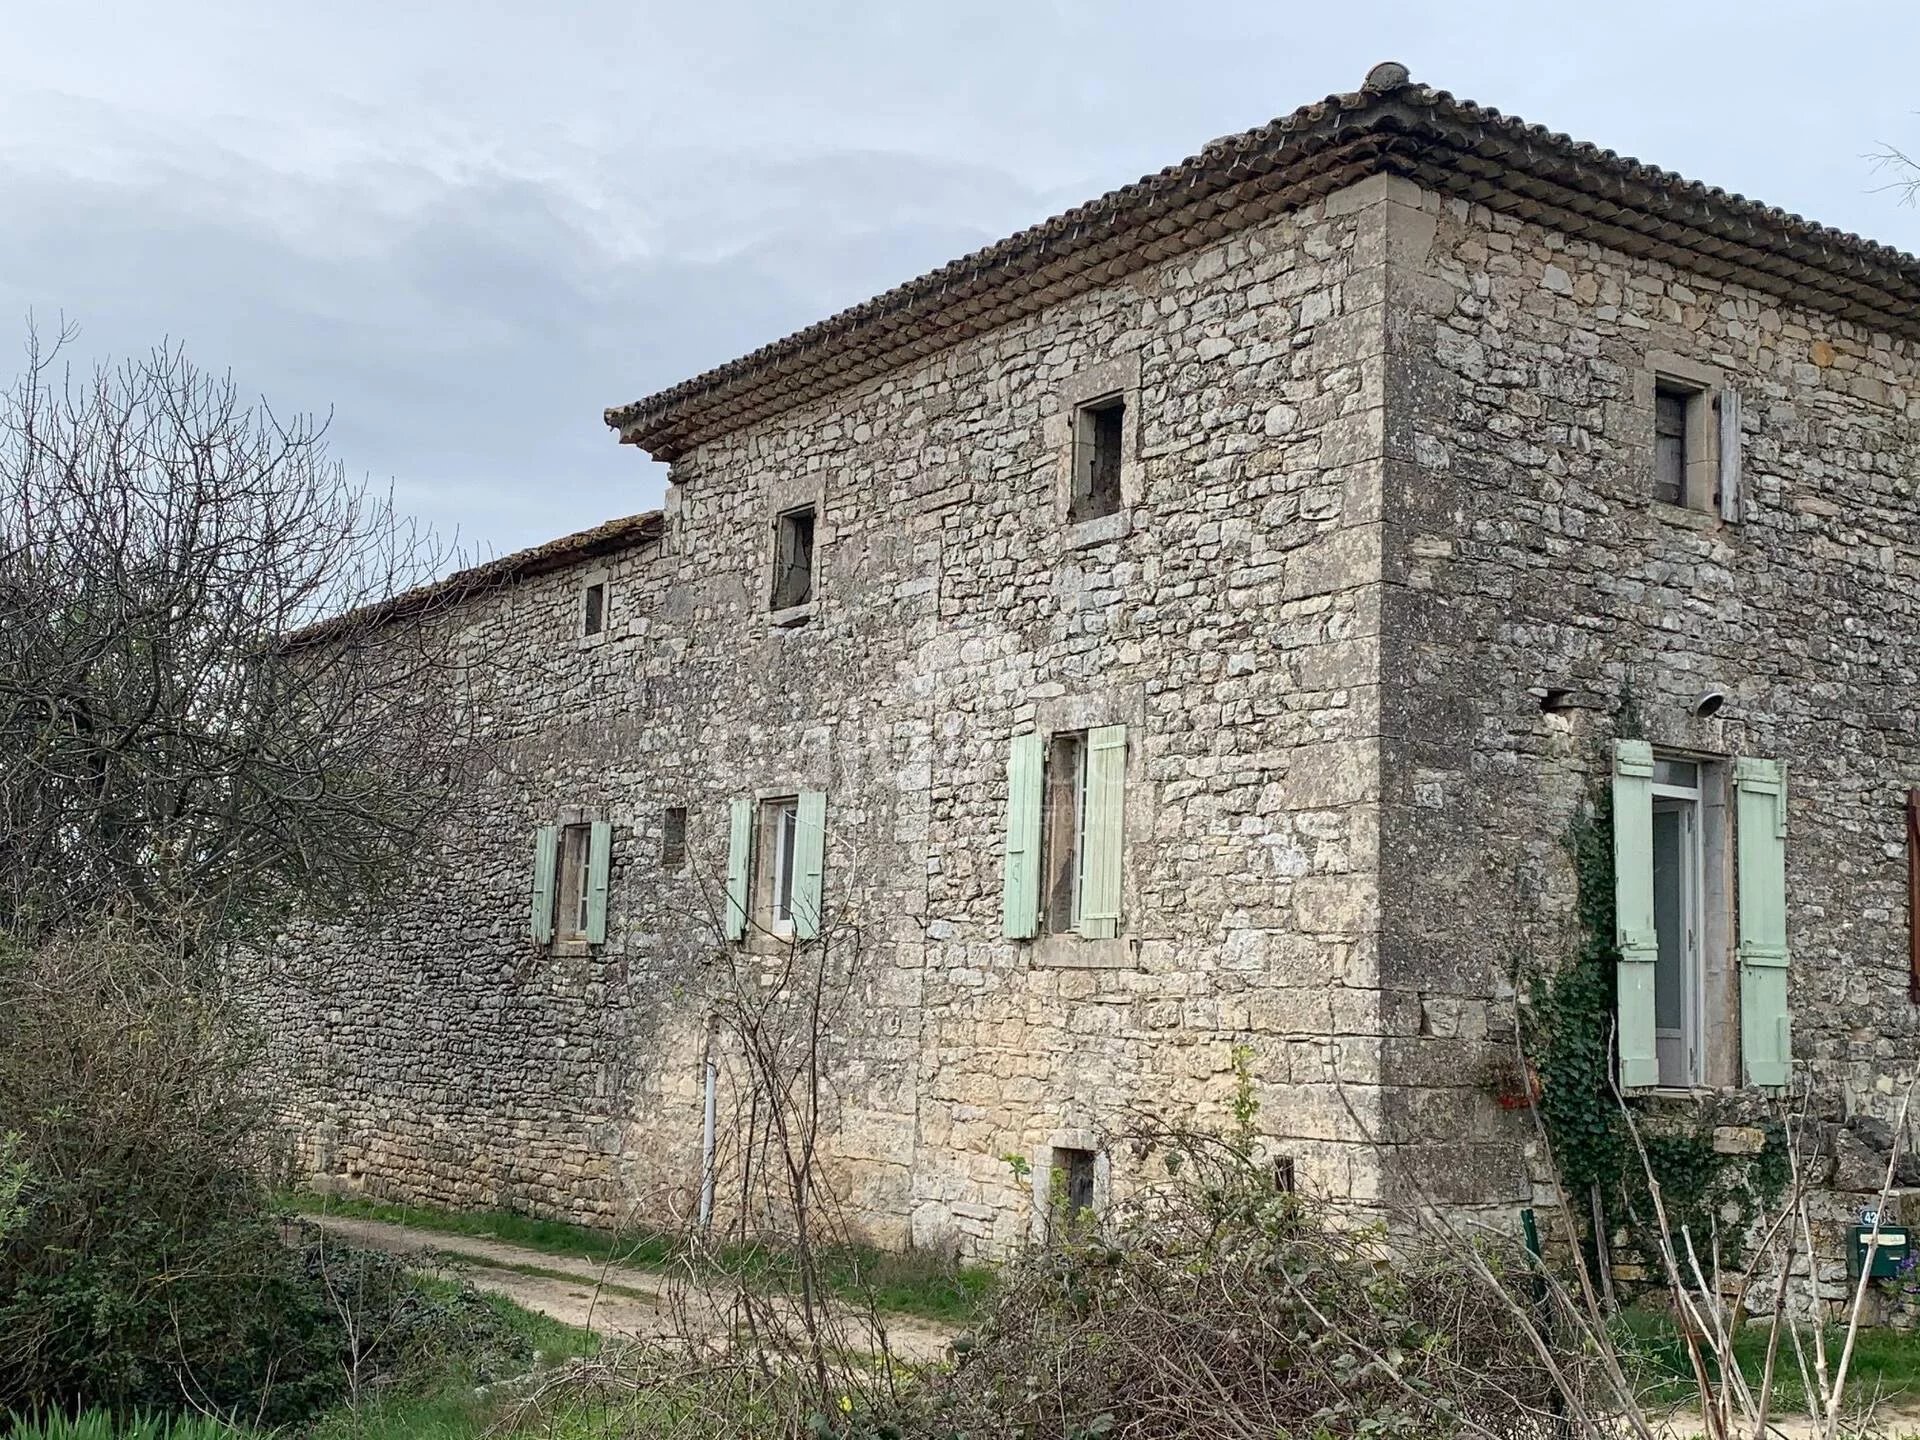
1670 405
1074 1169
1063 830
576 880
793 559
593 609
673 837
1099 429
779 824
1678 923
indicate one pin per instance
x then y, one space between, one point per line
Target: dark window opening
1097 443
1670 406
1075 1170
793 559
1063 828
593 618
673 837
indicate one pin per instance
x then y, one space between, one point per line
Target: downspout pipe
709 1124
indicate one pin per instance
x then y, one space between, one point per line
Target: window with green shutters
1064 838
572 869
776 864
1687 842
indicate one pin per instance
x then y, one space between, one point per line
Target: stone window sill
791 617
567 949
593 641
1074 952
1688 515
1102 530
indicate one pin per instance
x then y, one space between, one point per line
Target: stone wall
1386 481
1229 616
1524 553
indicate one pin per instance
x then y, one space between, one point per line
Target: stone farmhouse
1187 629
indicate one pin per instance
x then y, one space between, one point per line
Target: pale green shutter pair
1760 821
546 867
1104 835
809 865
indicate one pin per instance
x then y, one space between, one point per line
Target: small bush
142 1268
1215 1304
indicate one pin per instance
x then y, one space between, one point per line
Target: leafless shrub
162 751
1566 1315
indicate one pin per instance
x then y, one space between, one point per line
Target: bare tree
175 738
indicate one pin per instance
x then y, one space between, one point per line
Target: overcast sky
466 227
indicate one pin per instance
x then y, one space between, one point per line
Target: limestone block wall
1230 616
1524 551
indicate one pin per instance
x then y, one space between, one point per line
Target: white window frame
1688 801
785 821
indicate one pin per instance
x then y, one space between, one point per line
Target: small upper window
673 837
793 559
1670 406
593 609
1098 431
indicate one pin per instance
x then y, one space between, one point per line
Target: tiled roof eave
433 598
1448 146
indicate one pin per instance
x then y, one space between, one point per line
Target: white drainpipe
707 1131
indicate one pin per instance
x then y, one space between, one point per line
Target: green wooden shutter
739 851
1105 832
1634 933
809 864
546 854
599 868
1760 820
1020 878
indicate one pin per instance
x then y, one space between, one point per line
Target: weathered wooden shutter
599 869
739 853
546 855
1105 832
1020 876
1760 818
809 864
1634 933
1730 497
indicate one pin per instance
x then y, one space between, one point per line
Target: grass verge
1886 1363
915 1283
452 1405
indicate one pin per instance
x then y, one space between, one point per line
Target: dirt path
615 1300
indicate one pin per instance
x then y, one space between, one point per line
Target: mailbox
1891 1252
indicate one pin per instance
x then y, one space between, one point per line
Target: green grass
1885 1363
915 1283
100 1425
451 1406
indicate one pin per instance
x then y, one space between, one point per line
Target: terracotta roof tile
1452 146
608 539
